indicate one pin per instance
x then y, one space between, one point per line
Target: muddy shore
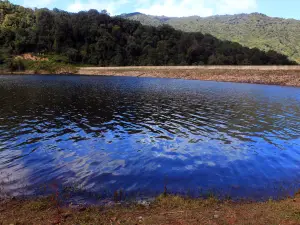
272 75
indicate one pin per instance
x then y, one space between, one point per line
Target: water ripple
106 134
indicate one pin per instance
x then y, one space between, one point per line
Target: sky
178 8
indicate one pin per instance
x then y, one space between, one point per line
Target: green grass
54 65
50 66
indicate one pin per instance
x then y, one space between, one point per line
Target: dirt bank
273 75
165 210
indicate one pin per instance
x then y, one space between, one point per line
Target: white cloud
111 6
38 3
235 6
177 8
196 7
171 8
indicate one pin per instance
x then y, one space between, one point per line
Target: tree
98 39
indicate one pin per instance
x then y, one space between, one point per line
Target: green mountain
251 30
95 38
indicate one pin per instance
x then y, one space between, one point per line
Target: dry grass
228 67
30 56
274 75
170 210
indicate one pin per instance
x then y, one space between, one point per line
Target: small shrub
58 58
51 67
16 64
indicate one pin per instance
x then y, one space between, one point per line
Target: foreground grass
164 210
272 75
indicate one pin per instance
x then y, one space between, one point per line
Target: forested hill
97 39
250 30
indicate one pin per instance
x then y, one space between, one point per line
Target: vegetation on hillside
95 38
251 30
49 66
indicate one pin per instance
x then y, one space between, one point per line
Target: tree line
250 30
95 38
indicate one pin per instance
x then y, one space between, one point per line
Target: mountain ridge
94 38
254 30
212 16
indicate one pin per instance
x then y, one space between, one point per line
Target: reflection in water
111 133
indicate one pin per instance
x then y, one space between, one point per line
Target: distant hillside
97 39
251 30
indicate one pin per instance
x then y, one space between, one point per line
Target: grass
31 64
50 67
164 210
273 75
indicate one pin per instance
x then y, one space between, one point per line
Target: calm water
101 134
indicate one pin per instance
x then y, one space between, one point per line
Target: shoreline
268 75
163 210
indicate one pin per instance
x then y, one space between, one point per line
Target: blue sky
277 8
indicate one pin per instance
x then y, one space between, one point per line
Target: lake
97 135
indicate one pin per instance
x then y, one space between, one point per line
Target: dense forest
95 38
250 30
